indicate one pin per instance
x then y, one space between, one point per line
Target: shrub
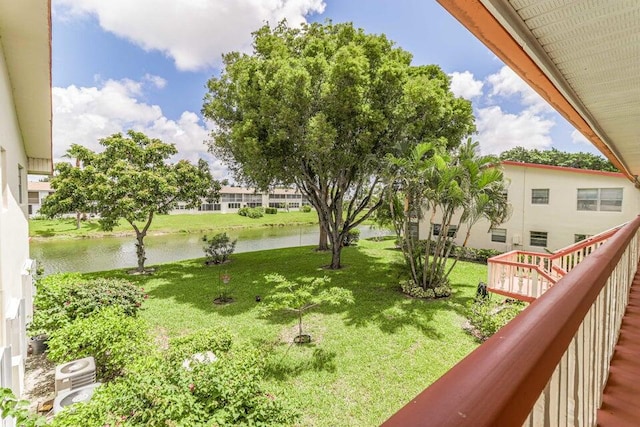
271 211
305 208
159 391
411 289
251 212
475 255
10 406
109 335
487 317
215 340
60 299
255 213
351 238
218 248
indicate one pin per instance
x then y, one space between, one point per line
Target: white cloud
579 139
83 115
157 81
194 33
464 85
506 83
500 131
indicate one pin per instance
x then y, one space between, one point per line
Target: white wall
560 218
14 244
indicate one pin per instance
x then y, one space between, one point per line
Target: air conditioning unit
516 240
75 374
69 397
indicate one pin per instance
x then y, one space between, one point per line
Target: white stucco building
234 198
25 147
553 207
37 191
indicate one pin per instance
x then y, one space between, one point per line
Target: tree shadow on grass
290 360
371 275
49 232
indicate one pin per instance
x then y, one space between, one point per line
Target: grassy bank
366 360
164 224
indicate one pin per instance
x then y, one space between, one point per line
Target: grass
165 224
366 360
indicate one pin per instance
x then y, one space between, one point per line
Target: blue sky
144 64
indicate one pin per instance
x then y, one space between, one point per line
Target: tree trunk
300 325
140 252
323 241
336 248
78 214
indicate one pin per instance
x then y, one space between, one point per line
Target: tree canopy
320 107
130 180
555 157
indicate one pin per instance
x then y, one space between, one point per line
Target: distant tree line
555 157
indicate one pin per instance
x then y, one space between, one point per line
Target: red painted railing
527 275
549 365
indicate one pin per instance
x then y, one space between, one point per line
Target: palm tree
445 184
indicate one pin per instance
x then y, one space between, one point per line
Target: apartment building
234 198
25 148
37 191
553 207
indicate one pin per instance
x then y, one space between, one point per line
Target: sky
143 65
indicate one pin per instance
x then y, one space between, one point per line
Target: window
540 196
499 235
254 204
294 205
600 199
20 178
611 199
538 238
226 197
580 237
33 197
414 229
233 205
453 229
206 207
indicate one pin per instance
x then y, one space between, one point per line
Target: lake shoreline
105 234
187 223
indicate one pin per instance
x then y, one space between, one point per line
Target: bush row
61 299
251 212
486 317
465 253
201 379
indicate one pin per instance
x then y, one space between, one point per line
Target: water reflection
86 255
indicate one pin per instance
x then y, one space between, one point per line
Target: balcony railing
527 275
549 365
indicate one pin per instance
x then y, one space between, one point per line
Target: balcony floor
620 400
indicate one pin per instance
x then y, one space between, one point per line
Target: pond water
87 255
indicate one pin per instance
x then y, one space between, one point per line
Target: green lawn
178 223
366 359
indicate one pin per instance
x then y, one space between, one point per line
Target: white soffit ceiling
590 50
25 32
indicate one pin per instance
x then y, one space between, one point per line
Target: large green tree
132 180
319 107
555 157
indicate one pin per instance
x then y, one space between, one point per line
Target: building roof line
563 168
